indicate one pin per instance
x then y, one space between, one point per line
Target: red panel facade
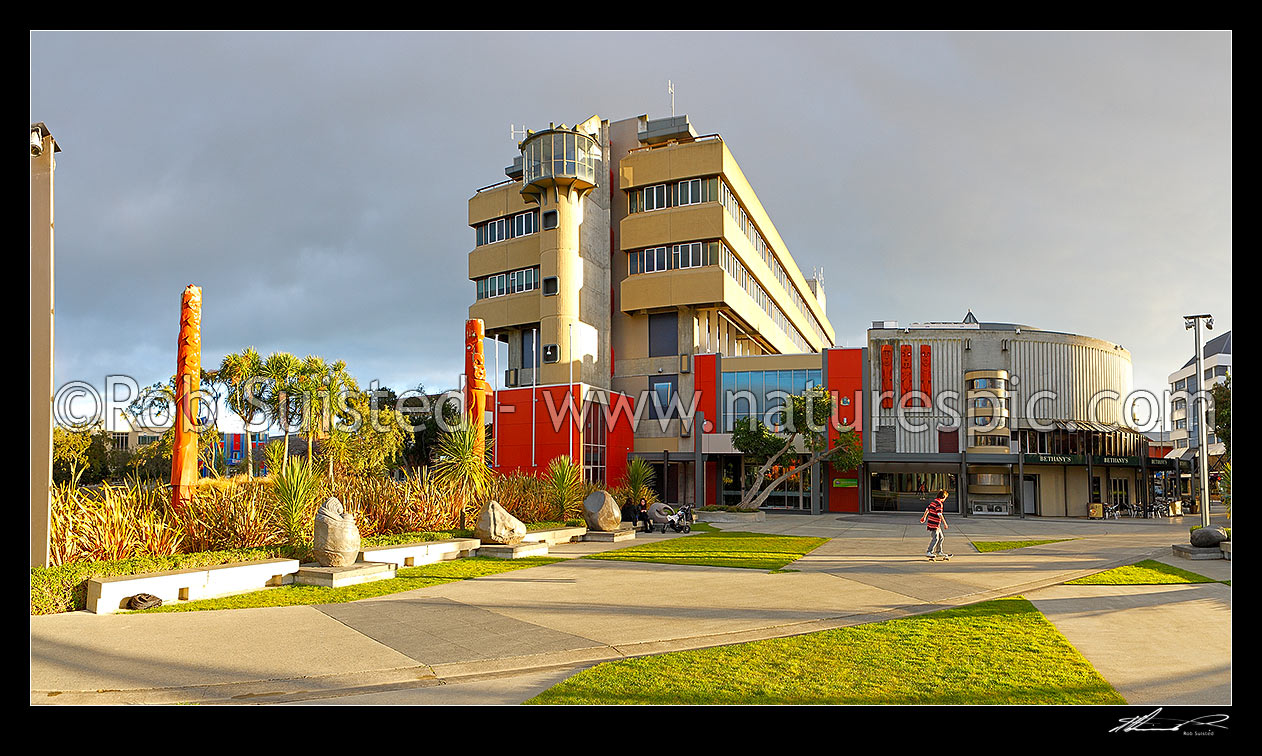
845 381
887 376
705 379
926 373
552 425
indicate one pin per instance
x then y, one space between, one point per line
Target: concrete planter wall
731 516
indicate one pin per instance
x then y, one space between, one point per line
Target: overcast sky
316 185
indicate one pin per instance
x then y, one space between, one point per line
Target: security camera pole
1193 322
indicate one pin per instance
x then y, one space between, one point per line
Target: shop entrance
1030 495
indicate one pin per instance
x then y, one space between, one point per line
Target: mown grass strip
996 652
756 551
1147 572
987 546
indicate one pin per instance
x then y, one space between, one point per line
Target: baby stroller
678 520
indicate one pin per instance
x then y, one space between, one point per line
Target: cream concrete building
615 253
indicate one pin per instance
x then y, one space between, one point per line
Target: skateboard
939 558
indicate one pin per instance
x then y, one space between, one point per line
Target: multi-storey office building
629 265
1010 419
1184 414
1184 384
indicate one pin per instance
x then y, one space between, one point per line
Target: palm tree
460 469
639 481
564 483
236 372
281 369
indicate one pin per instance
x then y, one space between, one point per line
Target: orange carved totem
477 390
188 373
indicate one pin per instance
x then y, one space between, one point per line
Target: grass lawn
985 546
996 652
1147 572
755 551
407 578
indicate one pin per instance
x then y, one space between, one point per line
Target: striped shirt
933 515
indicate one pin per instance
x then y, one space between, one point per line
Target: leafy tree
281 370
804 418
1222 413
236 371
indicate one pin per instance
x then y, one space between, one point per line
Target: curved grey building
1011 419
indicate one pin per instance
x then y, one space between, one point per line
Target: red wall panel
926 374
845 381
887 375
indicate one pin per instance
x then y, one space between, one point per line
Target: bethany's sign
1117 461
1054 459
1078 459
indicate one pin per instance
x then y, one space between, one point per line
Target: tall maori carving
477 390
188 373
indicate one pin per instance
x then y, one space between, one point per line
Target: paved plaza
504 638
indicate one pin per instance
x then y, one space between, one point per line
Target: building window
550 220
690 192
759 394
664 334
525 224
662 391
654 197
595 435
989 441
988 479
503 284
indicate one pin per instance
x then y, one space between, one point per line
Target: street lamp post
1193 322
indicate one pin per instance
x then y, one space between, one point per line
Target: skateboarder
936 522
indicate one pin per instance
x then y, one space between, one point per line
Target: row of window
1076 442
997 384
511 227
504 284
674 257
764 386
736 269
747 227
674 194
697 254
712 189
988 441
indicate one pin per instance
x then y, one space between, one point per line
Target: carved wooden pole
188 373
477 389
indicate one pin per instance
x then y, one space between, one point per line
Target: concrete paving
463 641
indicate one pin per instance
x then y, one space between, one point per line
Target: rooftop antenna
516 134
670 87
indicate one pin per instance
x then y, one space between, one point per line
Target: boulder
601 512
1208 537
496 525
336 540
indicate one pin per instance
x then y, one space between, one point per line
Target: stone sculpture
496 525
336 542
601 512
1208 538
